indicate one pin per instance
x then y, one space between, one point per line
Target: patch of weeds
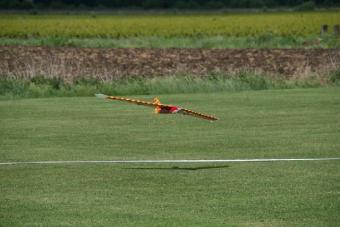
41 86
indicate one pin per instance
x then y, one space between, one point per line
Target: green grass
253 124
218 42
262 194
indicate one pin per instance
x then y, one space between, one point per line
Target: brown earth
107 64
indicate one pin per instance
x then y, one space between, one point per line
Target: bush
13 87
335 77
306 6
55 83
40 90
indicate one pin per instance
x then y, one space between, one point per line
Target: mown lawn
291 123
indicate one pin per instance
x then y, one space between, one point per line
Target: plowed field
109 64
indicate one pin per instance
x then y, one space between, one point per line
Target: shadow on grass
180 168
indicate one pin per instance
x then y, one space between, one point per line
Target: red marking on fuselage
168 109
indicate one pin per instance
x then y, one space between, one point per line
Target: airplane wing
134 101
197 114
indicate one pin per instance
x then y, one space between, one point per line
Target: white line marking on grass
171 161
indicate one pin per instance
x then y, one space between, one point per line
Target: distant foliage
166 25
155 4
306 6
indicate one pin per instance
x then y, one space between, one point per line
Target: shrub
306 6
335 77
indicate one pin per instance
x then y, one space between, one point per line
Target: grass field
253 124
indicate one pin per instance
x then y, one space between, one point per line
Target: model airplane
159 107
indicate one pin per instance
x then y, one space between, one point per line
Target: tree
152 4
165 4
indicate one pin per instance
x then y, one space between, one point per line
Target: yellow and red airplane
159 107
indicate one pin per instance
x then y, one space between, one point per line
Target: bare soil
107 64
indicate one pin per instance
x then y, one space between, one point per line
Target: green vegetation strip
298 24
199 30
40 86
297 123
267 40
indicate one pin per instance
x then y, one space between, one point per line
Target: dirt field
107 64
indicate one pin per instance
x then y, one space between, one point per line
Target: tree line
162 4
